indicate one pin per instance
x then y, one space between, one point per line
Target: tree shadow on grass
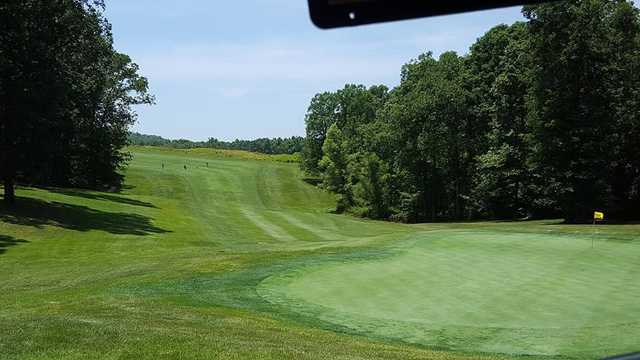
312 181
7 241
100 196
37 213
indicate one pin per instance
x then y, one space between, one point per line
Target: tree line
66 95
541 118
290 145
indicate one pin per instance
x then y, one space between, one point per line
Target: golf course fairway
209 254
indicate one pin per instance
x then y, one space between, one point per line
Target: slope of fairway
482 290
209 254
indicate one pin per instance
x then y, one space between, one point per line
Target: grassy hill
206 153
237 257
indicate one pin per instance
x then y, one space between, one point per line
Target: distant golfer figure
207 164
163 165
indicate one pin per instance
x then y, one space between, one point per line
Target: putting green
488 291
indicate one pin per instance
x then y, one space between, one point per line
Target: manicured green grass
243 259
532 294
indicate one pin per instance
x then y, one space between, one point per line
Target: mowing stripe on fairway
273 230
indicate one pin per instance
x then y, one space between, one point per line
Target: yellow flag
597 215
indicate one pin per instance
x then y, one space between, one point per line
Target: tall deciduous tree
334 166
369 181
66 95
320 116
438 142
499 64
572 109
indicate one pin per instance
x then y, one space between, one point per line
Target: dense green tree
66 95
499 66
320 116
572 106
357 106
105 132
369 181
432 120
32 36
334 166
623 89
350 108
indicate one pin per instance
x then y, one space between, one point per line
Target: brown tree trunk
8 174
9 190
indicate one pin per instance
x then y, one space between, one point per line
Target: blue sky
247 69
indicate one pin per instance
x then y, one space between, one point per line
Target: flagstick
593 239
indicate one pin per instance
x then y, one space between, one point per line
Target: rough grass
187 264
